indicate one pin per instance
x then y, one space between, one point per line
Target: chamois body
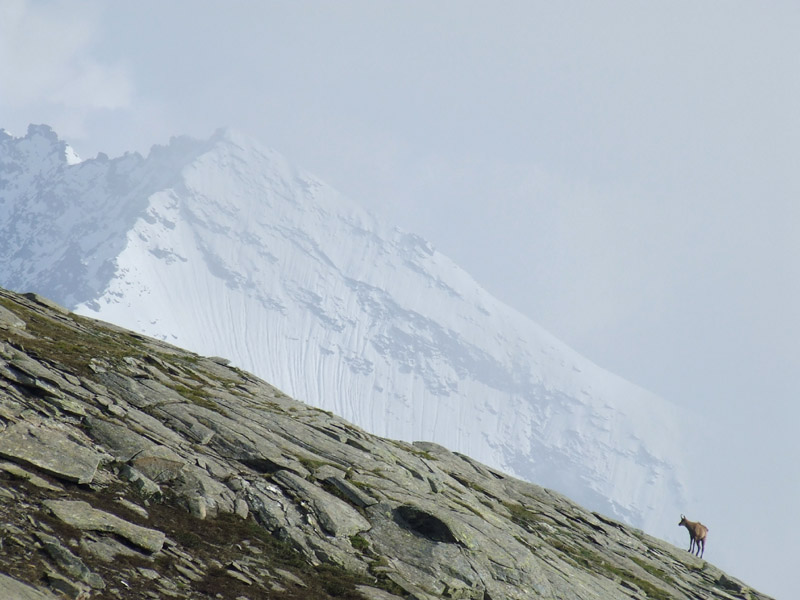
697 535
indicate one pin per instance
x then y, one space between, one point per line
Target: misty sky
624 173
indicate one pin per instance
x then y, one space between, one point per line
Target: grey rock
371 593
149 573
16 590
107 548
122 443
40 482
216 467
81 515
38 373
159 463
241 508
180 417
190 574
9 319
247 442
335 516
70 563
151 428
68 588
280 516
50 450
290 577
195 483
729 584
144 485
198 507
353 494
239 576
21 377
139 394
10 409
277 587
46 302
132 506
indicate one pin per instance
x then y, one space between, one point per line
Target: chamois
697 536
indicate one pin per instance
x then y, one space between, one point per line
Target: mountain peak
44 131
248 148
225 247
40 148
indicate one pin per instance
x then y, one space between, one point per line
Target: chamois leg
701 547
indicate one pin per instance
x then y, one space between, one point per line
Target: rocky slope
133 469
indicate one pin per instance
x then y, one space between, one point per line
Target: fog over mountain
223 247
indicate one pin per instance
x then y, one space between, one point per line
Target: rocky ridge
133 469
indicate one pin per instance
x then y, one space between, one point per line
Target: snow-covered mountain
223 247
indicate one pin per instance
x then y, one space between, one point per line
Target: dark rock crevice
423 523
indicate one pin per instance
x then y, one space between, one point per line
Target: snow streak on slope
224 248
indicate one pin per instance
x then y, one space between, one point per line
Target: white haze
222 247
623 173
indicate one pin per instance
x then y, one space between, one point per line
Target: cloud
48 69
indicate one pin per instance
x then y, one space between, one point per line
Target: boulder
82 516
50 450
71 564
334 515
122 443
16 590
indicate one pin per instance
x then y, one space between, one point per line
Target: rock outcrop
134 469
